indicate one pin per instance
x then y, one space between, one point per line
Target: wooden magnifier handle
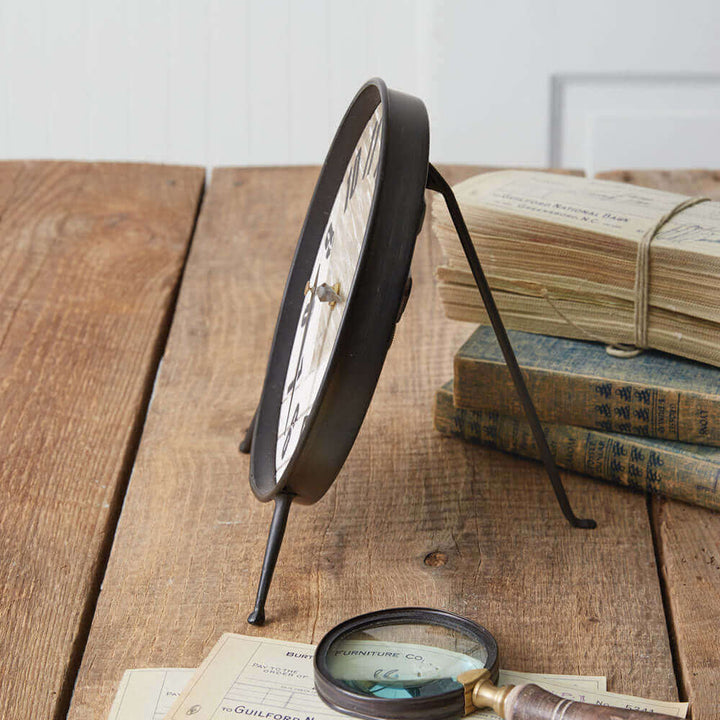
530 702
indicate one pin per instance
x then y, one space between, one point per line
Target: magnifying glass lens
402 664
404 661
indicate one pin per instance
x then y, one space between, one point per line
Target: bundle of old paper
273 680
561 256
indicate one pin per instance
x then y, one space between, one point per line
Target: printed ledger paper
268 679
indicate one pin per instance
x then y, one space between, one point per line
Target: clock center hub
329 293
325 293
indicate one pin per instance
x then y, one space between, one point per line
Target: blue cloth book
678 470
573 382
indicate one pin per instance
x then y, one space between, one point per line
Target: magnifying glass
423 664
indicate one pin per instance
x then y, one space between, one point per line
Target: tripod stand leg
438 183
246 443
272 549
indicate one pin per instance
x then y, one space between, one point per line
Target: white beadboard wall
248 82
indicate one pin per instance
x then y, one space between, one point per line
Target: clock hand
308 312
330 295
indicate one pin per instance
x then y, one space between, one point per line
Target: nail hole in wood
436 559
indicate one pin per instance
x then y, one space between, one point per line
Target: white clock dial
327 290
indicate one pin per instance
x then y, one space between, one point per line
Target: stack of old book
561 255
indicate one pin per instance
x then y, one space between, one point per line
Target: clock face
343 295
327 290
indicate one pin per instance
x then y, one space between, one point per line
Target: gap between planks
88 612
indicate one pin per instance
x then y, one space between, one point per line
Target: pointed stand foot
585 523
274 541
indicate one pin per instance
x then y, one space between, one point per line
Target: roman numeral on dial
372 150
353 177
298 373
289 430
329 238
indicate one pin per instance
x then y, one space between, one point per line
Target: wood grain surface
413 519
688 538
90 256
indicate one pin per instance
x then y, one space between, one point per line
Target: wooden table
129 536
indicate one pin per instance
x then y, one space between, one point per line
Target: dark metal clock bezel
373 302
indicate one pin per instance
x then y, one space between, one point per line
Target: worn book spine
589 399
680 471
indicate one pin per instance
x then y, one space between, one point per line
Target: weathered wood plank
90 256
689 538
413 518
689 550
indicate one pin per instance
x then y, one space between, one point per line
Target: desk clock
346 290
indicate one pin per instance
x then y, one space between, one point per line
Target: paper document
589 683
253 677
148 694
273 680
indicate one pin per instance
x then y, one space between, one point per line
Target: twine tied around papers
642 278
642 287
